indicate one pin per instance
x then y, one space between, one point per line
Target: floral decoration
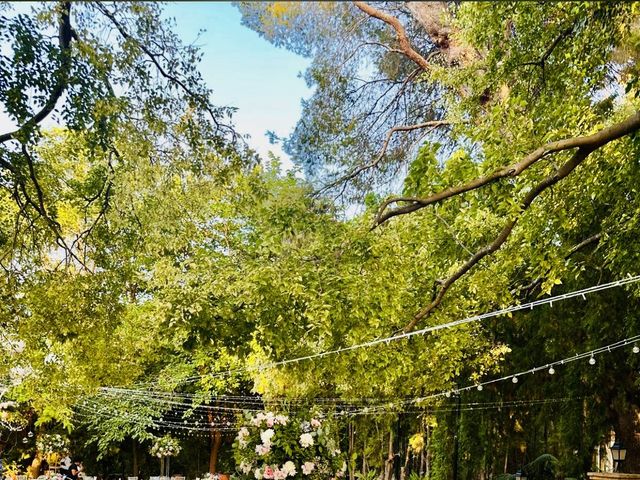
166 446
272 446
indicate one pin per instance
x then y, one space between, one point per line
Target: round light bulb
479 387
30 434
514 379
592 361
448 394
24 440
552 371
636 349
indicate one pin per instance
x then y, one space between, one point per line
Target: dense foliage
144 246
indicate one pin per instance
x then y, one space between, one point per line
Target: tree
549 79
108 68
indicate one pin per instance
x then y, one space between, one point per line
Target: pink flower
268 472
263 449
315 423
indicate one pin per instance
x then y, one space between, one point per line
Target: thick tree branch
401 33
376 161
594 141
585 146
64 42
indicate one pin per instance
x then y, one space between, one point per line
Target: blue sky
244 70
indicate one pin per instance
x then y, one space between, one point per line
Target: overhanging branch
594 141
585 146
401 33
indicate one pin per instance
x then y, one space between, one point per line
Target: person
65 463
72 471
44 467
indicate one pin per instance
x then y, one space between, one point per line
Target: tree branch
594 141
200 98
358 170
64 42
585 146
401 33
576 248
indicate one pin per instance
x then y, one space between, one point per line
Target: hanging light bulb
552 371
636 348
448 394
592 360
479 387
514 379
30 434
24 440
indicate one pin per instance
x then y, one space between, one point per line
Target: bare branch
375 162
585 146
196 96
594 141
401 33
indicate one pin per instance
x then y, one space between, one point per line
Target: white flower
245 467
267 435
307 467
263 449
257 473
279 474
51 358
281 419
243 432
289 468
306 440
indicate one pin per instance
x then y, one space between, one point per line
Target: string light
636 349
339 403
592 360
430 329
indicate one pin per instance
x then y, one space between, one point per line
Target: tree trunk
388 464
134 451
627 432
216 441
352 440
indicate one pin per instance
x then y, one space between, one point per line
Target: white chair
132 478
154 478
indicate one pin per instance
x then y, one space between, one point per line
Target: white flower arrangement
50 443
166 446
279 447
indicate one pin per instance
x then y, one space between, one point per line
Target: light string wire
185 427
386 340
513 377
547 366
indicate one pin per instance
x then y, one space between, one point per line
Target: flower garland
52 443
275 447
166 446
